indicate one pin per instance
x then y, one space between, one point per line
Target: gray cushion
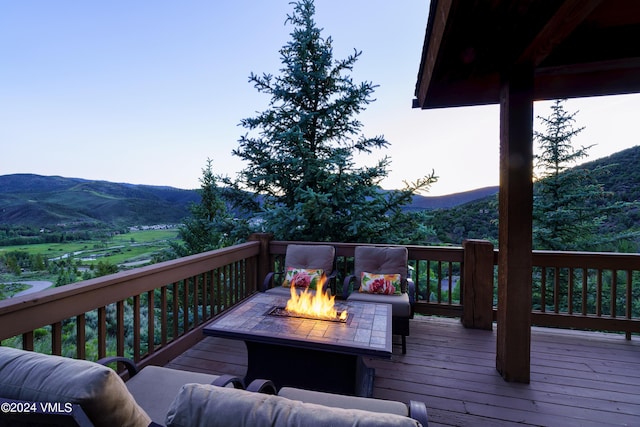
311 256
307 257
381 260
97 389
400 305
155 387
347 402
211 406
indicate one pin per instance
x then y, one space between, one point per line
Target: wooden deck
577 378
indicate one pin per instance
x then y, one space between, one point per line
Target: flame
318 304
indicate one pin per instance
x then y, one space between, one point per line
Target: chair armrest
329 280
266 284
411 290
418 411
131 366
345 286
226 379
262 386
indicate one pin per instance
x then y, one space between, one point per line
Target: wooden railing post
264 258
477 297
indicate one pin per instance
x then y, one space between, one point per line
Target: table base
309 369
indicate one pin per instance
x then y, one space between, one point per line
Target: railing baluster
218 291
543 290
185 306
599 293
614 292
175 314
439 282
585 291
81 337
27 341
570 291
417 280
136 328
556 290
237 281
163 316
150 322
629 300
56 338
120 338
205 295
224 288
429 291
212 293
196 291
102 332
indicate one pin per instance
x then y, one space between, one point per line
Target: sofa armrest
131 366
262 386
226 379
418 411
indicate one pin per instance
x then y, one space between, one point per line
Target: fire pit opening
283 312
313 304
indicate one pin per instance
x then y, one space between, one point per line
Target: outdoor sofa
97 396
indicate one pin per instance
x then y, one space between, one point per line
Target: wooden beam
439 12
515 227
568 17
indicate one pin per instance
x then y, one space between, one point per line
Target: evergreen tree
568 208
210 225
300 150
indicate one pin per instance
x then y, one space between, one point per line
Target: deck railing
581 290
154 313
587 290
150 314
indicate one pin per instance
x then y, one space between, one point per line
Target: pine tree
300 150
568 208
210 225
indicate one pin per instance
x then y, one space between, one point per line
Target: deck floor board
577 378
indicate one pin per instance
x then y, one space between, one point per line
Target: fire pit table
322 355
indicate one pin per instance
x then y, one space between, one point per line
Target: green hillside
479 219
33 200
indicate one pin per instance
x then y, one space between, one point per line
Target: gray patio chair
303 257
384 260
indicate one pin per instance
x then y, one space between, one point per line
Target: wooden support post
513 357
477 298
264 259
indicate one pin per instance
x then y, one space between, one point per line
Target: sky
145 91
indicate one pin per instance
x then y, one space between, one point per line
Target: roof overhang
577 48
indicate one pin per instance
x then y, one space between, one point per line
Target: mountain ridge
39 200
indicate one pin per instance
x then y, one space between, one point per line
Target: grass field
126 249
